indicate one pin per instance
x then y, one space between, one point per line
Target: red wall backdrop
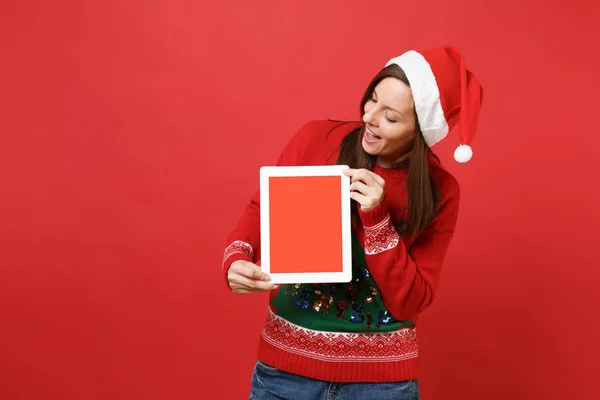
131 137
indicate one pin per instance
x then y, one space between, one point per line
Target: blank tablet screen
305 218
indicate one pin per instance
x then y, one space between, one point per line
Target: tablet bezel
266 173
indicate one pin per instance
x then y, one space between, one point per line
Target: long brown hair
423 193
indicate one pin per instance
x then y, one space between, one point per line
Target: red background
130 136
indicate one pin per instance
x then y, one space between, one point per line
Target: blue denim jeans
271 383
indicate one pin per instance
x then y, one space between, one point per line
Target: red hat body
445 93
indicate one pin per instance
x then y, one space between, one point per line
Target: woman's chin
369 148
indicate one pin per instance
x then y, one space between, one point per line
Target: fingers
242 284
367 203
249 270
378 178
361 188
360 198
362 174
246 277
359 175
366 188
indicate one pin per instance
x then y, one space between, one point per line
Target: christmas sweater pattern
341 321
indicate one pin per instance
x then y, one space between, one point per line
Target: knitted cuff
237 250
374 216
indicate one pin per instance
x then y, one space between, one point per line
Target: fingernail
266 277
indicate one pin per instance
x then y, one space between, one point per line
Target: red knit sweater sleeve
407 277
243 243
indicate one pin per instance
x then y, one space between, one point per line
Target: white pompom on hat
445 93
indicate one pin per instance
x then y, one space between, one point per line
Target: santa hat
445 93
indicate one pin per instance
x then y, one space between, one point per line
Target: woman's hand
366 187
246 277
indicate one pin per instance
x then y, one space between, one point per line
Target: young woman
358 340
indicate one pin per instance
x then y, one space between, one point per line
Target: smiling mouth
371 135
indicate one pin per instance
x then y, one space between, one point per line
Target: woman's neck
386 163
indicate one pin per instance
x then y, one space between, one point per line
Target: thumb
257 273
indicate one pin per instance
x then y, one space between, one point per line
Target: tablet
305 224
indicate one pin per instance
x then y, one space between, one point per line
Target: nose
368 116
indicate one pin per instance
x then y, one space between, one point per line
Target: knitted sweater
365 330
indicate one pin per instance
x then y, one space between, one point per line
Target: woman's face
390 122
